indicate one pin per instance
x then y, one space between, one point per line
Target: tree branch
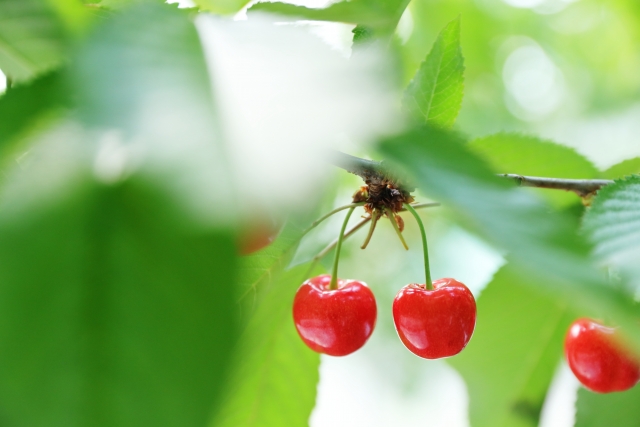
582 187
376 172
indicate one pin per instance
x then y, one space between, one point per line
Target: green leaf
613 409
110 313
143 75
513 354
223 7
118 74
622 169
382 15
434 95
543 243
32 38
613 224
274 380
22 106
258 271
527 155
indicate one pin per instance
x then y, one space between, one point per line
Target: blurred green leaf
149 56
613 409
258 271
110 314
223 7
514 352
23 105
543 243
32 38
143 76
622 169
529 155
613 224
435 93
380 15
274 380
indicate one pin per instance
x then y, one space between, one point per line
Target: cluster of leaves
121 306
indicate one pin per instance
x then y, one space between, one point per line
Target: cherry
435 323
257 237
338 321
598 358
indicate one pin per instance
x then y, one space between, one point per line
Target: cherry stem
425 249
390 214
355 228
374 220
334 272
317 222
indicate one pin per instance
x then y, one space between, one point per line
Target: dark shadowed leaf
275 375
23 105
111 315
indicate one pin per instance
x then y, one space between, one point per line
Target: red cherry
256 238
435 323
598 358
336 322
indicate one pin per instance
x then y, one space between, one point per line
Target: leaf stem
395 227
425 249
334 272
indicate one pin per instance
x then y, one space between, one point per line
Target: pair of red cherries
432 323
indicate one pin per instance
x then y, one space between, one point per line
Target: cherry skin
336 322
435 323
598 359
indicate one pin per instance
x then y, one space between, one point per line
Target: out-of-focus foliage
259 393
533 64
529 155
622 169
112 315
381 16
542 243
35 35
615 409
508 372
613 224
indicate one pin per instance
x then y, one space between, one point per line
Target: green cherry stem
425 249
317 222
394 224
352 231
334 272
374 220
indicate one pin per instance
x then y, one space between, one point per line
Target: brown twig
582 187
